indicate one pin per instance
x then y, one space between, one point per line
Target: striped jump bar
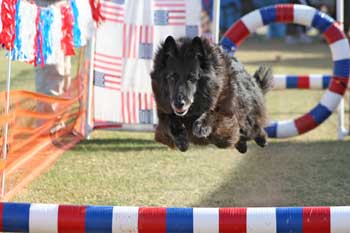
48 218
339 46
312 81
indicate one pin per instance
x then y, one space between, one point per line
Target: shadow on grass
118 144
287 174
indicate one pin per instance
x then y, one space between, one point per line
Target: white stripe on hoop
286 129
43 218
331 100
125 219
206 220
253 21
340 217
261 220
303 15
279 81
340 50
316 81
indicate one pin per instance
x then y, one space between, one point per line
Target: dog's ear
197 46
170 46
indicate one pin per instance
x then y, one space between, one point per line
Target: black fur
205 97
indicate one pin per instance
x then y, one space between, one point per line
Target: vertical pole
342 132
88 127
216 20
7 110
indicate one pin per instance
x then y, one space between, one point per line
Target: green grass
125 168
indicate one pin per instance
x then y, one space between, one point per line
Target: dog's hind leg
261 138
241 145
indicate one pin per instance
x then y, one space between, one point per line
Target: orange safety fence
41 126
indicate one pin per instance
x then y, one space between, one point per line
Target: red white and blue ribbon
34 34
22 217
339 45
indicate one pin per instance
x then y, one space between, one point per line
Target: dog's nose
180 101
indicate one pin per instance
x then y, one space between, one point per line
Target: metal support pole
89 107
216 21
7 110
342 132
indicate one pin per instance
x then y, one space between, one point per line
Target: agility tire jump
339 45
39 218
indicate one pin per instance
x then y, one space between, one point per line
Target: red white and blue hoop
339 45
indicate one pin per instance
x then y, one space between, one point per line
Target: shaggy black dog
205 97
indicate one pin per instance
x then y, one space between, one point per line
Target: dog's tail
264 78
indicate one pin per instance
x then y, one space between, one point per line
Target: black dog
205 97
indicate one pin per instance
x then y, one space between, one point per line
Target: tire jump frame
338 43
48 218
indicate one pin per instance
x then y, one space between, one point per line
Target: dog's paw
261 141
182 143
242 147
200 129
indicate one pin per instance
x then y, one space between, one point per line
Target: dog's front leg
202 127
179 134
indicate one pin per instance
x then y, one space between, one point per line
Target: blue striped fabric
271 130
320 113
289 220
322 21
341 68
15 217
98 219
179 220
268 14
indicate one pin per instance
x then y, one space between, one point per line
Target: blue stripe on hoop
320 113
292 81
228 45
322 21
271 130
268 14
15 217
98 219
289 220
179 220
341 68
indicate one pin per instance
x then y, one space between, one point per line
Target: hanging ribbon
46 20
17 47
8 14
76 29
95 6
37 45
67 31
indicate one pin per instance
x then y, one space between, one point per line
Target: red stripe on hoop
333 33
285 13
152 220
238 33
71 219
338 85
232 220
303 82
316 219
305 123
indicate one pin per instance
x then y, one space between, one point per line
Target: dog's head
182 68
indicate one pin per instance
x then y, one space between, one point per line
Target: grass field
124 168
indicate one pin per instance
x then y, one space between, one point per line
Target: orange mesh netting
41 126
